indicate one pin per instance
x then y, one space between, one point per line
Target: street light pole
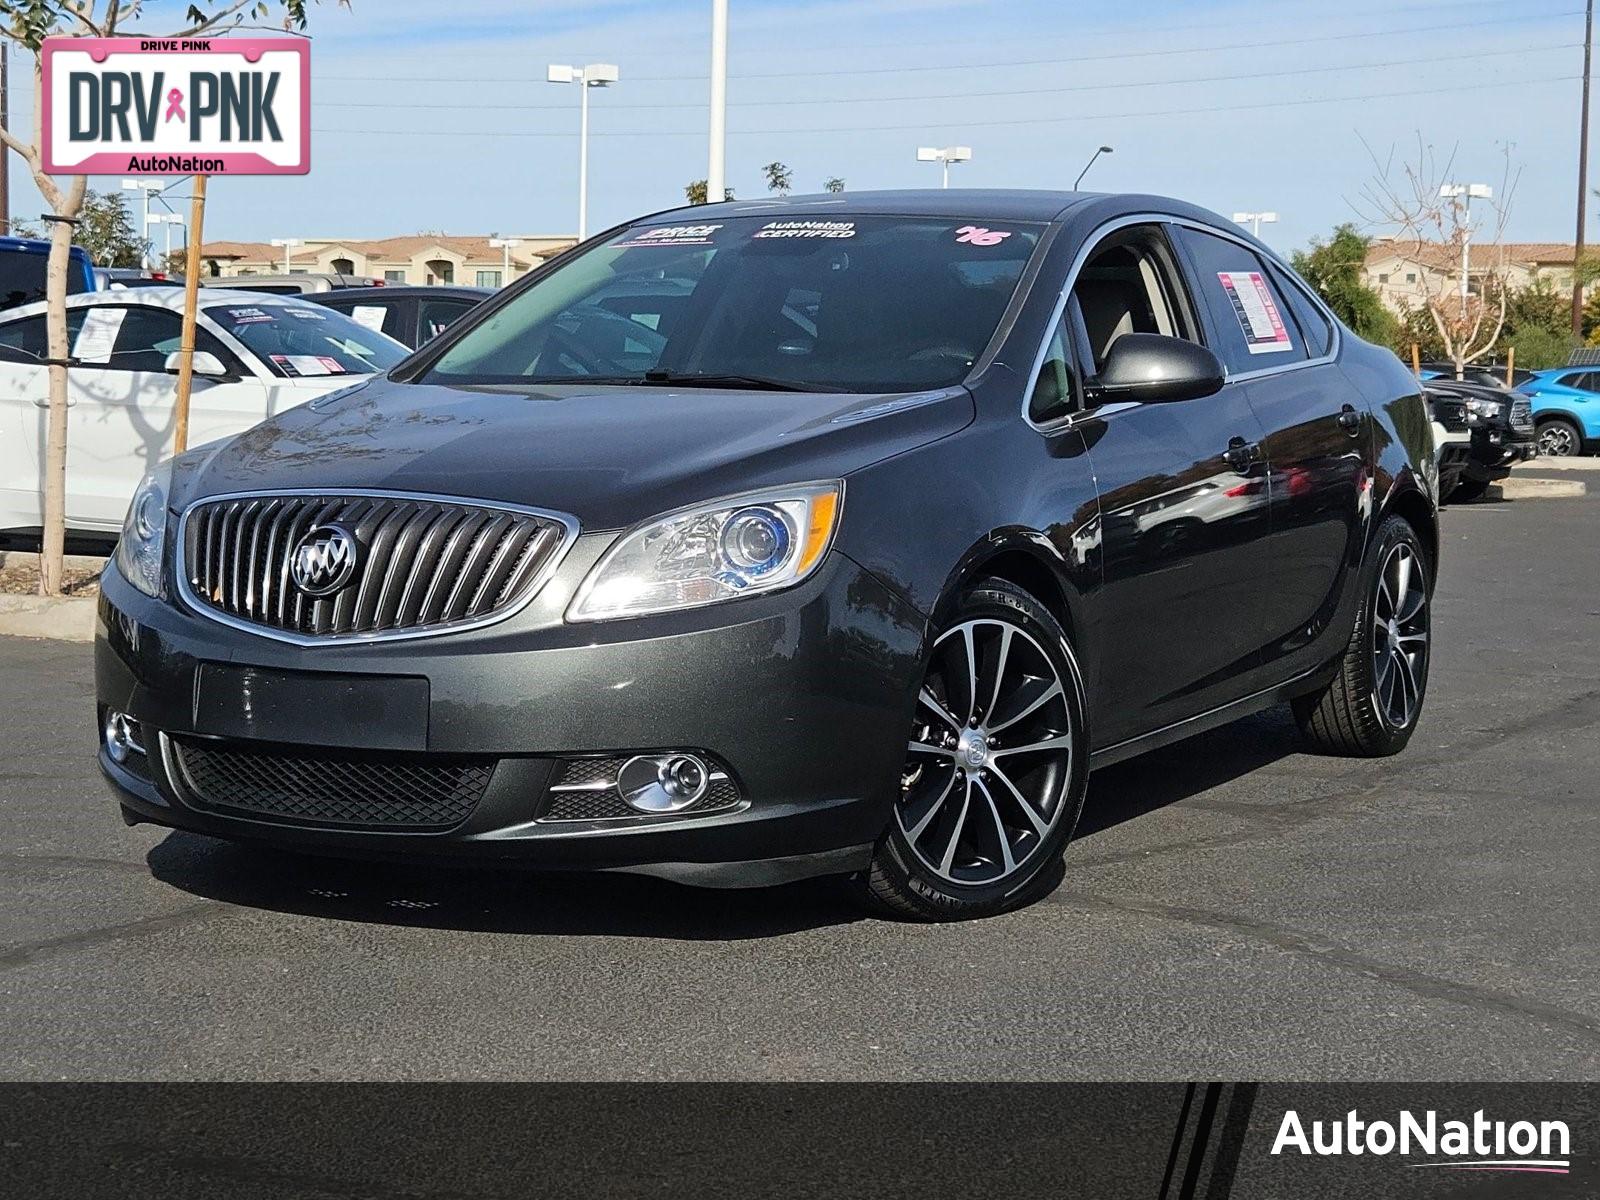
1254 220
288 245
1090 163
144 187
944 155
505 245
1583 174
716 166
593 75
1465 193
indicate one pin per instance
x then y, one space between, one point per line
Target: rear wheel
1560 438
1371 707
995 766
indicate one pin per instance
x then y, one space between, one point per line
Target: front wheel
1559 438
996 765
1371 707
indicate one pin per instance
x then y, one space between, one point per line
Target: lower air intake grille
378 791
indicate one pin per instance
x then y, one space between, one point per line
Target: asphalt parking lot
1234 908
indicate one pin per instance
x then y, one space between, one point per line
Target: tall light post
1090 163
169 220
594 75
505 246
716 166
1464 194
146 188
1255 220
287 245
944 155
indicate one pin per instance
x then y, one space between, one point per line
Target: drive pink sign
169 106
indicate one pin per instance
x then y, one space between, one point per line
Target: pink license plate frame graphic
226 162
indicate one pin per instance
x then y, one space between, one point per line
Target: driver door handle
1240 453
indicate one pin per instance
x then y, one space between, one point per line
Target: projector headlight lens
144 531
715 552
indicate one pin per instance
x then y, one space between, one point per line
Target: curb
64 618
1546 463
1524 487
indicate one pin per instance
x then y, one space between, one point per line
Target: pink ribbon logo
175 105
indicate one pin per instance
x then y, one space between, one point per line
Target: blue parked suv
1566 408
22 270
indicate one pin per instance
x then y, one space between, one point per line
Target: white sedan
255 355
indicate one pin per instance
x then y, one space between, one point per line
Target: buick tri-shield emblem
323 560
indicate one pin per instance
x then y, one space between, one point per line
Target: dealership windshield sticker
672 235
167 106
807 229
248 316
1264 330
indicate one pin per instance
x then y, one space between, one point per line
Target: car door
1278 345
1183 507
123 402
24 393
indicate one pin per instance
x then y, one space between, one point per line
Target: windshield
843 303
296 339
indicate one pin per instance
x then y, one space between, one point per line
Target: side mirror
1153 369
206 364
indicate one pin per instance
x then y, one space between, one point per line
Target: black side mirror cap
1153 369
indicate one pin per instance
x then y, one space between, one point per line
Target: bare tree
29 22
834 185
1435 224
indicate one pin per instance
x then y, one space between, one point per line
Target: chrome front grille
1522 414
423 564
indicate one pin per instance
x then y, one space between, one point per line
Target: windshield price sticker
170 106
977 235
672 235
1259 319
807 229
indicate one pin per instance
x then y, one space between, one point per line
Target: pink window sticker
335 367
977 235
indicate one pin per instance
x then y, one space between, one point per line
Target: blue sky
436 117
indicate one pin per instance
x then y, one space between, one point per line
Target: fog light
121 736
657 783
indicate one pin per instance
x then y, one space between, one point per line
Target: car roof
160 296
1015 204
404 291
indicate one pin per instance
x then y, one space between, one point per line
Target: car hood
609 456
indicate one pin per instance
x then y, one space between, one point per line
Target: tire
988 799
1560 438
1467 490
1371 707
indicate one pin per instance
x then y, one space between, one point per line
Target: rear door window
1253 326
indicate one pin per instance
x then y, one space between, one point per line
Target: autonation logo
1477 1145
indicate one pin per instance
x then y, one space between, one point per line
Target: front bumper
1496 448
805 696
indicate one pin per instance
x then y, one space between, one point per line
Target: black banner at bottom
1149 1141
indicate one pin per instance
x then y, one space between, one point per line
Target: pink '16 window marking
977 235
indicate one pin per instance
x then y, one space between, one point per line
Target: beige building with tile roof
419 259
1404 275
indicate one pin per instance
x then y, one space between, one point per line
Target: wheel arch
1023 558
1413 505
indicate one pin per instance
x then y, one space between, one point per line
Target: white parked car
255 356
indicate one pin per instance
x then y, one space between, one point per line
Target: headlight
1482 409
144 531
718 551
